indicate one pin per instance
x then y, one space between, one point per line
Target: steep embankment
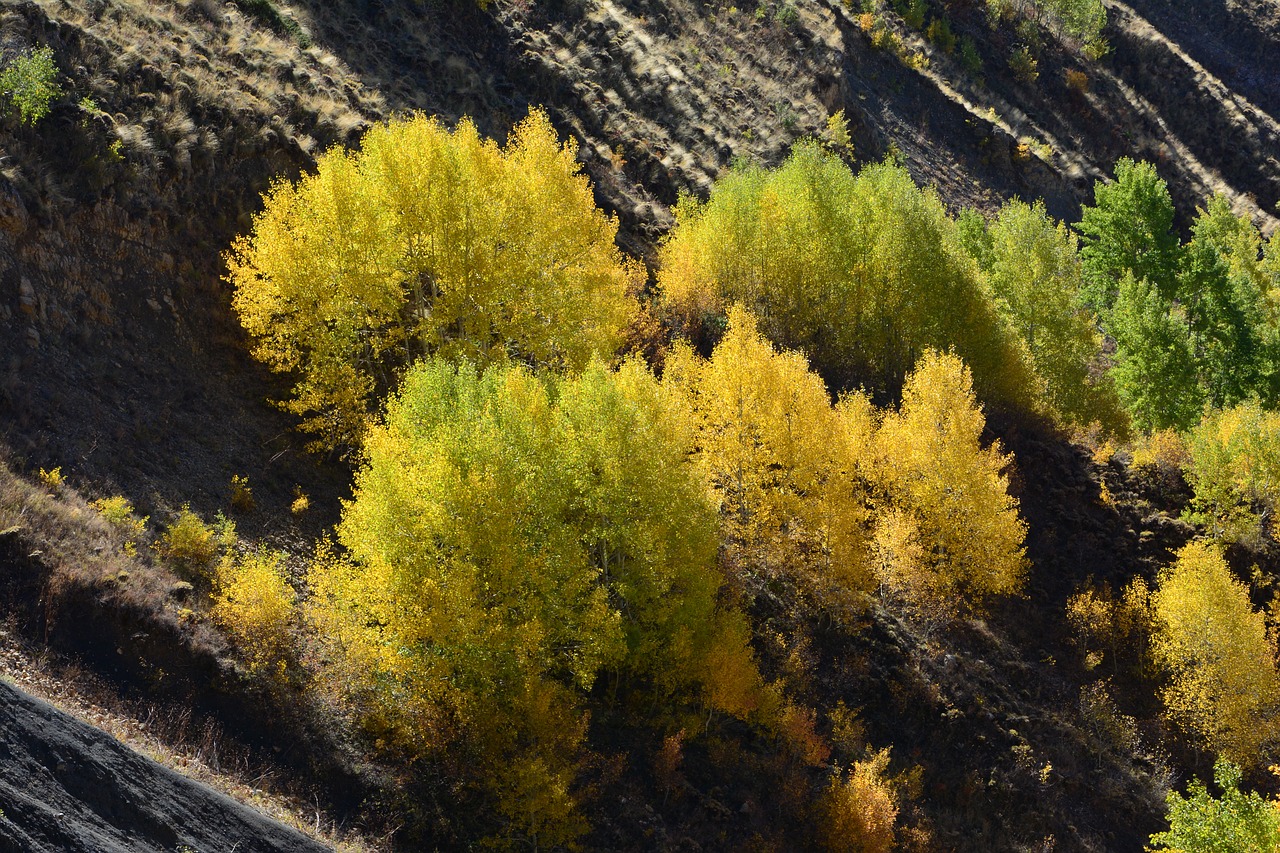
67 787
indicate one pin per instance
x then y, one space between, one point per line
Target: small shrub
188 541
30 82
786 16
885 39
1096 48
1103 718
53 479
252 600
1024 65
301 503
1105 623
939 33
867 21
1164 452
837 137
118 512
224 531
913 13
860 808
1077 81
970 59
241 494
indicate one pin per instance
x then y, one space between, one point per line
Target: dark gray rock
66 787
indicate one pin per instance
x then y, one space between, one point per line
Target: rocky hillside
67 787
122 364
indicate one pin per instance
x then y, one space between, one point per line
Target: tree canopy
427 241
862 273
1223 685
510 539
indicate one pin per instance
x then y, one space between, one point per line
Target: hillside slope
122 364
67 787
115 209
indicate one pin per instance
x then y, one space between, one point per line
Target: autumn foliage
1223 685
860 272
511 540
427 241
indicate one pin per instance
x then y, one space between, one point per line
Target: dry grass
224 60
170 737
78 546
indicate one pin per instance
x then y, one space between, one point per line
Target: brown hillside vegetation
159 516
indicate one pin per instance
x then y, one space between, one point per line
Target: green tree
30 81
1223 685
1224 342
860 273
1232 823
511 539
1155 373
1128 230
1034 269
1251 291
427 241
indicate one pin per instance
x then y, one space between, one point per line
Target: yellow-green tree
1223 684
253 601
427 241
1234 468
1034 269
510 539
781 461
860 273
948 530
860 808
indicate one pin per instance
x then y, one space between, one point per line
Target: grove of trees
545 527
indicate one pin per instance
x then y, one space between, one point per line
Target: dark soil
66 787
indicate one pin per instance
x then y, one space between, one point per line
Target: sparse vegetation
242 494
188 542
30 82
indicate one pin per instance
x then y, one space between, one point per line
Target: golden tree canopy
1223 683
427 241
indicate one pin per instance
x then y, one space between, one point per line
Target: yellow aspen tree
860 808
859 272
427 241
780 460
1221 662
949 529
